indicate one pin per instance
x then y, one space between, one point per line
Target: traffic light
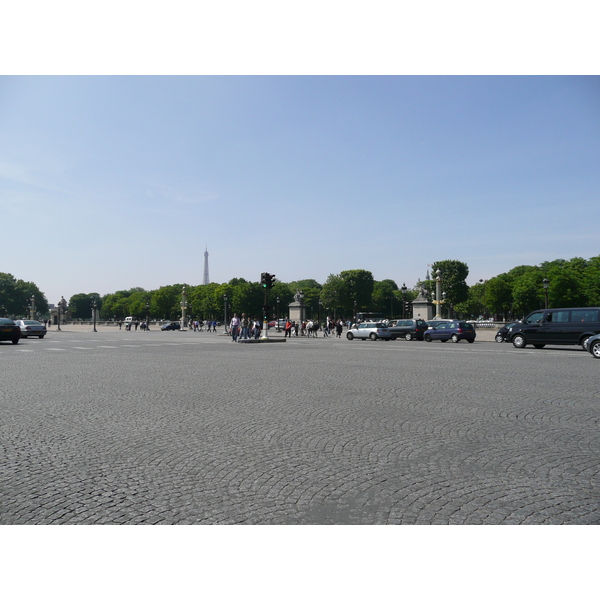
267 280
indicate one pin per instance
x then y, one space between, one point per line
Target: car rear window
6 322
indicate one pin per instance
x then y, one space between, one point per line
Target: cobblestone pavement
183 428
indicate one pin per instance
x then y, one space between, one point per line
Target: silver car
371 331
29 328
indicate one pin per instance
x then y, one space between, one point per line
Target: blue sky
114 182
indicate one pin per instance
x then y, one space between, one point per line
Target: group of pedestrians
244 328
309 328
199 325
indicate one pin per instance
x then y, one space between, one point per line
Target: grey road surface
190 428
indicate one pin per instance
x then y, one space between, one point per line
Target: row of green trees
15 297
335 298
574 282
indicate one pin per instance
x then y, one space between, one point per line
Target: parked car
594 346
409 329
29 328
280 325
558 326
9 331
171 326
435 322
371 331
451 330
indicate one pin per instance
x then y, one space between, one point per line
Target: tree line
510 295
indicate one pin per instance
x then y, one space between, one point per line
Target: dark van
556 326
409 329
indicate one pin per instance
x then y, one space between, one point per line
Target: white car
29 328
371 331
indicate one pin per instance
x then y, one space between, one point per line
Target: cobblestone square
183 428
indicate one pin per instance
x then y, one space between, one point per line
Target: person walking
288 328
257 329
234 327
245 323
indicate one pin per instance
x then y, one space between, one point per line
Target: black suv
556 326
409 329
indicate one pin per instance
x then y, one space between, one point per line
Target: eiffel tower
205 279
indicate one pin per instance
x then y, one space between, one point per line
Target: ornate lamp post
94 313
58 307
277 317
225 310
438 294
301 297
403 290
546 285
32 307
183 308
320 307
484 281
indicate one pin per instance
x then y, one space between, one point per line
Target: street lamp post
277 317
94 314
32 307
438 294
320 307
403 290
58 317
301 296
183 308
546 285
225 310
484 281
355 322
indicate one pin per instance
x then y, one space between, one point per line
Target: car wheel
539 346
519 341
408 337
455 338
595 349
585 341
499 338
373 336
350 335
427 337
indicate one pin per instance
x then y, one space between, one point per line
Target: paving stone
187 428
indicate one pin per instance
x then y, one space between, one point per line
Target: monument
205 278
422 305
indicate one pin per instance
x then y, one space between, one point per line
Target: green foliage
386 298
454 275
15 297
80 305
341 291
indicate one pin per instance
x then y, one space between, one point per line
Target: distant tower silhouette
205 279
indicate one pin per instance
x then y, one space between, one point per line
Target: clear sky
114 182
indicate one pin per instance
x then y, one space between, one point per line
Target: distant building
205 279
